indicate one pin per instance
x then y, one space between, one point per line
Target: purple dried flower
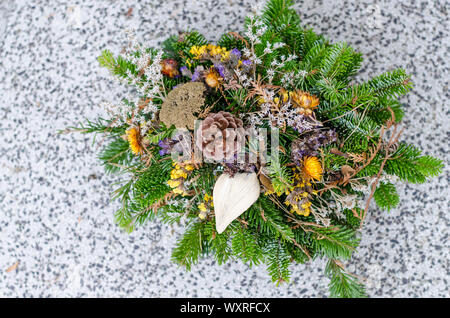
185 71
221 69
247 62
196 76
236 53
309 143
165 147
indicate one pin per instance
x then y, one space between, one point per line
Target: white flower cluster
256 11
148 83
243 79
118 112
272 47
255 30
348 201
366 187
284 115
277 65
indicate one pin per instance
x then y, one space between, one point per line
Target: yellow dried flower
312 168
305 212
198 51
202 207
173 183
305 205
178 173
304 101
179 191
226 55
134 137
212 79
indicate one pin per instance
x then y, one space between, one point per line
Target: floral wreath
259 143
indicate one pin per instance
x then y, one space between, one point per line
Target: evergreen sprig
343 284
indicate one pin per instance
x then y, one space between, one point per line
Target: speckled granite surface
57 236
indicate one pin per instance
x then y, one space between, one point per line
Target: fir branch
342 284
140 195
278 261
389 85
190 247
100 125
116 154
265 216
219 243
246 247
281 178
116 65
386 196
408 164
337 242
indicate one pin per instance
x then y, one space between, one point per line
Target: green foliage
386 196
278 261
354 128
381 112
264 215
280 176
191 246
229 41
116 65
155 137
98 126
353 221
409 165
171 213
139 194
219 243
116 155
279 15
336 242
340 62
343 284
245 246
186 41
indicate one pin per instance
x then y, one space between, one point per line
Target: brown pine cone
220 136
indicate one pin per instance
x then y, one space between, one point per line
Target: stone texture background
57 237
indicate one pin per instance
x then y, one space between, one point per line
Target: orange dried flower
312 168
169 67
134 136
212 79
304 101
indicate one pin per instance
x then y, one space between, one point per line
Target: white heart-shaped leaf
232 196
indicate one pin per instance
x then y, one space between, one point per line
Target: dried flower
236 53
203 51
178 176
169 67
180 105
185 71
312 168
134 139
305 102
309 143
165 147
212 78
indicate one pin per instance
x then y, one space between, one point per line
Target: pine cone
220 136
